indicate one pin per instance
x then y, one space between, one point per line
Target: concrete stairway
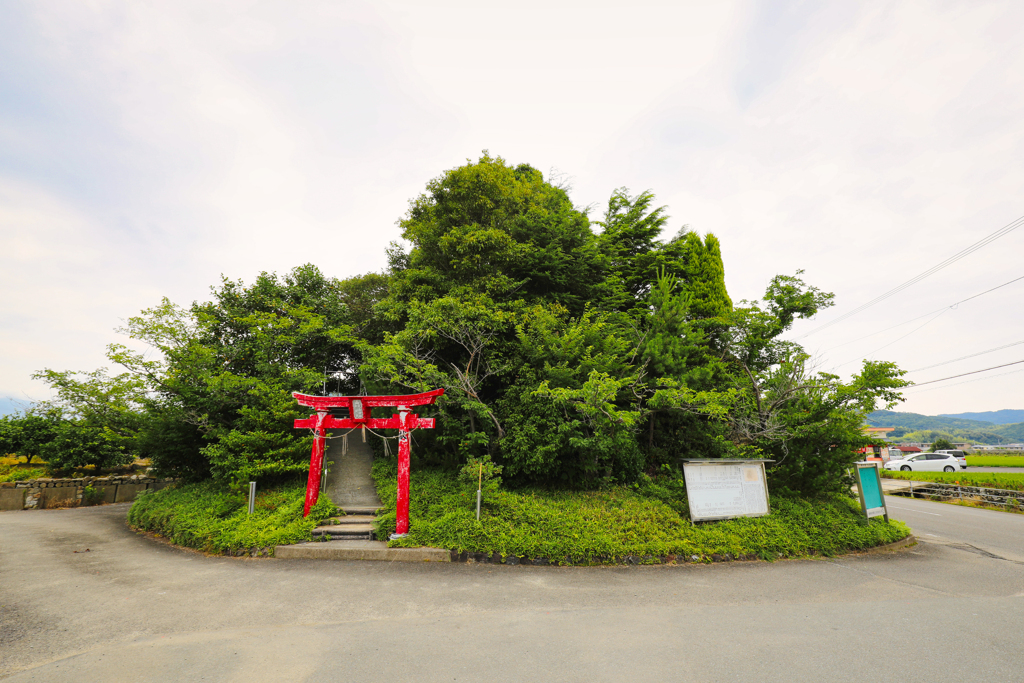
351 487
349 483
347 528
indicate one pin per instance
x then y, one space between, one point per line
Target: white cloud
62 297
161 145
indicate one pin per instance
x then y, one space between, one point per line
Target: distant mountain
9 406
1013 433
916 421
998 417
916 427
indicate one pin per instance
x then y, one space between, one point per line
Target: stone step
360 550
344 530
357 511
350 519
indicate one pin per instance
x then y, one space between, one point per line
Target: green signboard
869 485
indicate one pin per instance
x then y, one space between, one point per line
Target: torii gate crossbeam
359 416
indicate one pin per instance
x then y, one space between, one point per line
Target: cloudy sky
148 147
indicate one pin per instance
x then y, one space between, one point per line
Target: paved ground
994 532
133 609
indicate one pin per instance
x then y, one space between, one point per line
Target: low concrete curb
907 542
359 550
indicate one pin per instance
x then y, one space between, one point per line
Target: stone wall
37 494
1012 500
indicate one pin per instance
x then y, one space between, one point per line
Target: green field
1011 481
995 460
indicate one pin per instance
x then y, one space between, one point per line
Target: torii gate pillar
359 410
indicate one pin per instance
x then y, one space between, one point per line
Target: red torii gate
359 416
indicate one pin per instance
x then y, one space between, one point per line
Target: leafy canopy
573 353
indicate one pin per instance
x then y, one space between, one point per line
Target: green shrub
208 517
91 495
482 474
648 520
75 445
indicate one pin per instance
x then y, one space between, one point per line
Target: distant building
876 434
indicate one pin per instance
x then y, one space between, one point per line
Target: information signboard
869 486
723 489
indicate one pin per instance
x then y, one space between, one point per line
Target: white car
895 454
926 462
959 455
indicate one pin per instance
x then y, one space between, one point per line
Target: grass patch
11 471
981 505
995 460
647 521
206 517
1011 481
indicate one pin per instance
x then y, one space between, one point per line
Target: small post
252 497
479 488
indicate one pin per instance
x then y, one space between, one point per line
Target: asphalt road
133 609
998 533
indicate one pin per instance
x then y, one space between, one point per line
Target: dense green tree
492 229
704 274
672 343
63 443
359 295
568 356
114 404
630 241
573 400
27 434
821 420
226 369
810 423
941 444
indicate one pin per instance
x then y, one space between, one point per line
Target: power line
925 315
928 322
1004 365
1010 227
979 379
979 353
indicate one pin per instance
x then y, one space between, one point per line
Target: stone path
349 483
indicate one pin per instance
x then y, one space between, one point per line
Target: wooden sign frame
693 489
